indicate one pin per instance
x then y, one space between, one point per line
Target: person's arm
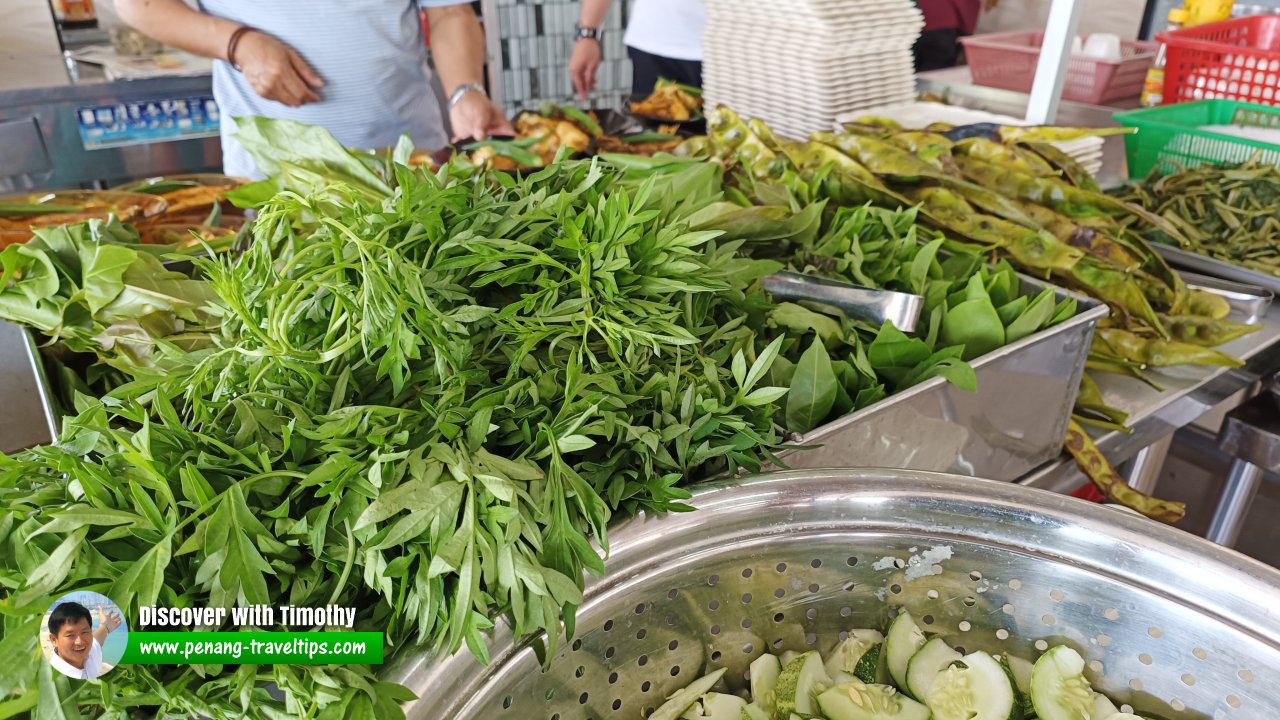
586 51
457 47
274 70
109 621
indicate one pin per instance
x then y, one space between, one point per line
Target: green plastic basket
1170 136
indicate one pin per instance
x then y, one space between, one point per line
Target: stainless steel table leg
1237 495
1143 471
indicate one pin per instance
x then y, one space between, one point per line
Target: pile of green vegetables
1231 213
425 404
1006 193
834 365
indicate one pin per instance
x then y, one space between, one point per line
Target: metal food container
1170 625
1015 422
28 418
1213 267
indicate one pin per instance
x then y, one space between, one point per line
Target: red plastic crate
1230 60
1008 61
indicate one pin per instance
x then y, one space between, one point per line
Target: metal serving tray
1213 267
28 418
1015 421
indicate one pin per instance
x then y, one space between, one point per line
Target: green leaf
50 574
77 516
813 389
574 443
922 266
1037 315
800 319
976 325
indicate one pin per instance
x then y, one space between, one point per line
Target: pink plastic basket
1008 61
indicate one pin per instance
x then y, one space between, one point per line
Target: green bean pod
1205 331
1155 352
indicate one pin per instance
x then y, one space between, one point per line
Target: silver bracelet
463 89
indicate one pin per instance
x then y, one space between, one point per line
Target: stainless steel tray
1213 267
28 418
1015 421
1170 624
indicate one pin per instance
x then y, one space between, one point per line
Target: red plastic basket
1008 61
1230 60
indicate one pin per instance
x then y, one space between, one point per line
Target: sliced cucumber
718 706
904 639
1121 716
754 712
840 678
801 680
1020 698
1059 689
682 700
764 678
1103 708
975 688
788 656
859 701
858 655
932 658
1021 668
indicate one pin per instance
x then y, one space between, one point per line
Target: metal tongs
855 301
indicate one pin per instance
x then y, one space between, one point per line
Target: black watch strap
586 33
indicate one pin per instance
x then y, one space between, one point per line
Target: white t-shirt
92 664
669 28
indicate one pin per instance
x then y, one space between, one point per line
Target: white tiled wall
535 41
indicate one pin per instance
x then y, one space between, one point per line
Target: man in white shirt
664 39
77 647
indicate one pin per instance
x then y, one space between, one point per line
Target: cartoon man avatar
77 647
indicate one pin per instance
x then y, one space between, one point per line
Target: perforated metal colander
1171 625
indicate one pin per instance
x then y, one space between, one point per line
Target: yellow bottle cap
1178 15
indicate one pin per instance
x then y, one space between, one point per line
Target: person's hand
475 116
275 71
110 618
583 64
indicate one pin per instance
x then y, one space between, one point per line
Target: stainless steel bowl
1171 625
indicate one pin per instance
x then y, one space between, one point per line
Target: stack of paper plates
914 115
799 64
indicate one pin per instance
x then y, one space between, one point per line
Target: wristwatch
586 33
463 89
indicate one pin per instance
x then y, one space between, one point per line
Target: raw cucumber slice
974 688
788 656
860 701
1103 708
932 658
1020 697
1121 716
753 712
764 678
904 639
682 700
858 655
801 680
1021 668
1059 690
718 706
840 678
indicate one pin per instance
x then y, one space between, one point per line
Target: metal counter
42 98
